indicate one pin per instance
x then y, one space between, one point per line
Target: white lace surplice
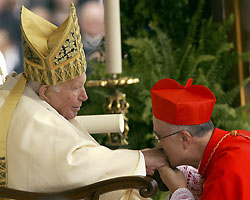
193 190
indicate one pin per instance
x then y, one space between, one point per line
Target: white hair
36 86
198 130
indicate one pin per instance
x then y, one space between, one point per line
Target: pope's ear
186 139
43 93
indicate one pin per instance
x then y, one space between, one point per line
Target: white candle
112 36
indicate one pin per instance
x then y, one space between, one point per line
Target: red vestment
227 174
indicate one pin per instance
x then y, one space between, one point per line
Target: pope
43 145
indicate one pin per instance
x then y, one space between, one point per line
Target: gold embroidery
233 133
61 64
6 113
53 77
67 51
3 172
29 54
1 75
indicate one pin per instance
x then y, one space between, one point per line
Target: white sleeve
141 169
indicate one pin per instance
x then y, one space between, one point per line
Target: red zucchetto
182 105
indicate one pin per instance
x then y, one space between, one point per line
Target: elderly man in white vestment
47 149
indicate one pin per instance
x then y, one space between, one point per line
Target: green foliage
160 196
171 39
203 53
231 118
206 55
169 15
96 96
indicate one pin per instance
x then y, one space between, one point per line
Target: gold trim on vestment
6 113
138 162
233 133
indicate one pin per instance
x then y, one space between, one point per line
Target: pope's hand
154 159
173 178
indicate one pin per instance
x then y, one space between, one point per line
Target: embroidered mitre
52 54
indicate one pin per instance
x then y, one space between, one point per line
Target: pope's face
67 100
171 144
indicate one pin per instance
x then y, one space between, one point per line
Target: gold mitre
52 54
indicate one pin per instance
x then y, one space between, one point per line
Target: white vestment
47 153
3 69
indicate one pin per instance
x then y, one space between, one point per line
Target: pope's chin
71 115
74 112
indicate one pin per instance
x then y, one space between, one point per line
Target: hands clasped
154 159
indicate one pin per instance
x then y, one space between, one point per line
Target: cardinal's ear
186 139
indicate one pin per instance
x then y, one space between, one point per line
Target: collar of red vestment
216 137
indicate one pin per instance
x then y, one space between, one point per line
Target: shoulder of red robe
182 105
